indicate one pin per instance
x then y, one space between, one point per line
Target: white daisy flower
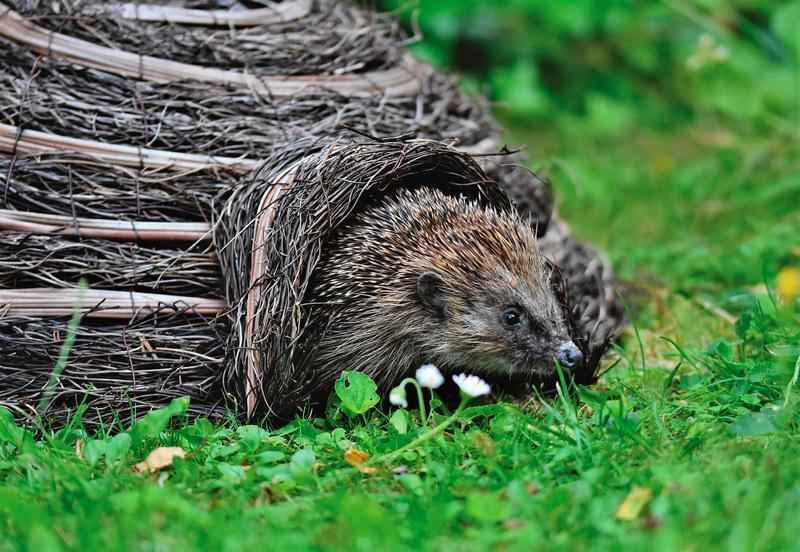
429 376
472 386
397 397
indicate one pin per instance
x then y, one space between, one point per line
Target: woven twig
17 140
332 38
89 187
190 117
28 261
38 223
48 302
402 79
117 369
281 12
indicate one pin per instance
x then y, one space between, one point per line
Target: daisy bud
397 397
429 376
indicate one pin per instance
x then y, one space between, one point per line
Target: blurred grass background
670 129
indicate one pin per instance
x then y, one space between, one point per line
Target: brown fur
373 319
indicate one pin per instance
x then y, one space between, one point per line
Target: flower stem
422 415
431 433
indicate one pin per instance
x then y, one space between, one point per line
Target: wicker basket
189 164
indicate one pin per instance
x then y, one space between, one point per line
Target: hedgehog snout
569 356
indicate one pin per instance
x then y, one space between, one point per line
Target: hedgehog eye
511 316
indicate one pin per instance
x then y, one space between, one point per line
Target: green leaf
153 423
302 462
786 23
412 482
301 466
252 433
43 539
117 448
691 381
399 421
219 450
10 432
94 450
324 439
270 457
487 508
743 324
723 348
357 392
274 473
252 436
231 472
756 423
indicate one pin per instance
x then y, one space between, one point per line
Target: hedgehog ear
430 289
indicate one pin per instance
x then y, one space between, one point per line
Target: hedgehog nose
569 356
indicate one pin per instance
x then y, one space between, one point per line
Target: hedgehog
427 277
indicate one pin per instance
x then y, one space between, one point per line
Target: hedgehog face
509 325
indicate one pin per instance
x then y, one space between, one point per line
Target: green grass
712 435
709 425
699 216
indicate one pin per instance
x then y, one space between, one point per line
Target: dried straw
65 225
19 140
28 261
117 370
89 187
96 303
400 79
281 12
325 37
223 121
